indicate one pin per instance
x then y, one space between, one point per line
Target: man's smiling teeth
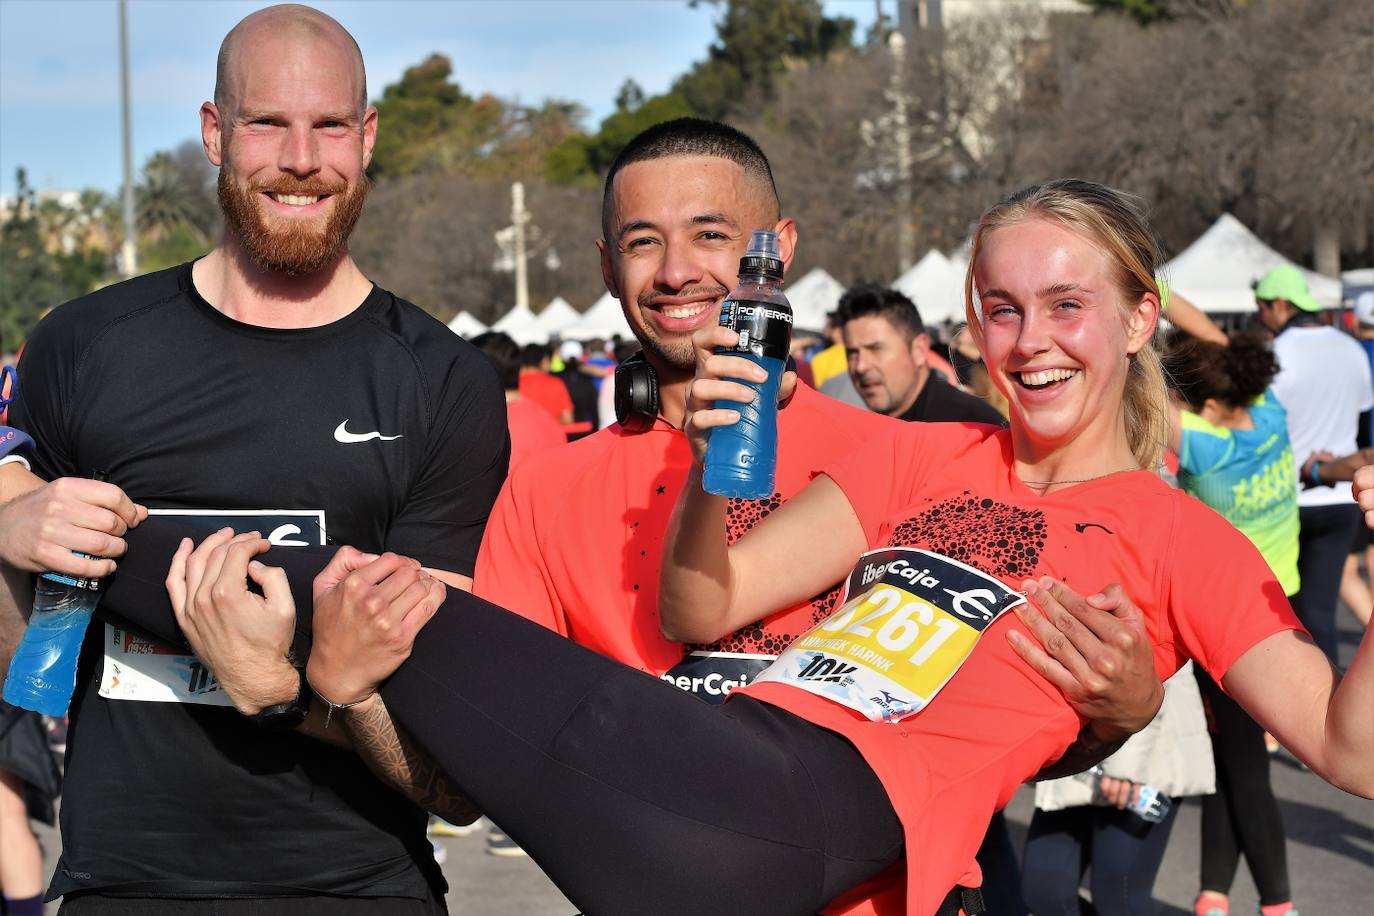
296 200
1045 376
684 311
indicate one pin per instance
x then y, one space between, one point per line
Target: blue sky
59 63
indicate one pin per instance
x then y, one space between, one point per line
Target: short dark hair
532 354
504 355
870 299
692 137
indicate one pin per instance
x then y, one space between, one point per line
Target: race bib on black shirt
138 667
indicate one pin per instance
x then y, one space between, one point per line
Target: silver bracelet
330 705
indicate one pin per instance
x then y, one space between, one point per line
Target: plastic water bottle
42 673
1150 804
741 459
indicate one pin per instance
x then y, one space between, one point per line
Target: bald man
268 386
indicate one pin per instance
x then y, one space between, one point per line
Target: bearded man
268 386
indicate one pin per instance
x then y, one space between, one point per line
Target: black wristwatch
285 716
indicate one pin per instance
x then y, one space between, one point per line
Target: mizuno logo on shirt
343 435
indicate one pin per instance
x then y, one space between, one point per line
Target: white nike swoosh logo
343 435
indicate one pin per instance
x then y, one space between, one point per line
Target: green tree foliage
31 280
173 199
756 42
430 125
1148 12
584 158
1145 11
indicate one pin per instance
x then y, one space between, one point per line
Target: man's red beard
293 247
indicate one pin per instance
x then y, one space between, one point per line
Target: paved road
1330 854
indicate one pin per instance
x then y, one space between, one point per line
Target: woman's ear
1141 320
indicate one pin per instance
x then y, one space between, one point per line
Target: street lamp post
129 250
513 242
901 138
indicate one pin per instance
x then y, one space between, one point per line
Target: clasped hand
1095 650
47 526
367 612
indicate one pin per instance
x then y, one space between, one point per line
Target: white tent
1357 281
1216 272
936 285
464 325
520 324
557 316
603 319
812 297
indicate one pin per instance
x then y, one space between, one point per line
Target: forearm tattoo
392 755
1086 752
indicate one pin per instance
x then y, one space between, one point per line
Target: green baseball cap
1286 282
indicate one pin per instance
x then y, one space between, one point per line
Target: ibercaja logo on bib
906 623
138 667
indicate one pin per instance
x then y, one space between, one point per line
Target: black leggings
1325 536
1243 815
633 796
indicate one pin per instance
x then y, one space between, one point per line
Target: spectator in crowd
1324 384
888 351
532 430
541 387
581 387
1087 822
1231 437
1355 586
605 398
598 360
831 361
269 373
29 784
970 371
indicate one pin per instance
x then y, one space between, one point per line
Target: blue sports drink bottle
741 459
42 674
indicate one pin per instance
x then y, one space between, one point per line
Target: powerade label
764 328
908 620
147 670
710 675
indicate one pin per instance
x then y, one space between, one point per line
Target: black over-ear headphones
636 394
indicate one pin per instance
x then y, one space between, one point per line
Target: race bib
907 621
138 667
710 675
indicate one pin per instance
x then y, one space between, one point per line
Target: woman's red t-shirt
1205 591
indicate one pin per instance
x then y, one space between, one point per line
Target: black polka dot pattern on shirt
999 539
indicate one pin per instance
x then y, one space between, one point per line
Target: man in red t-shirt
532 430
542 388
575 539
